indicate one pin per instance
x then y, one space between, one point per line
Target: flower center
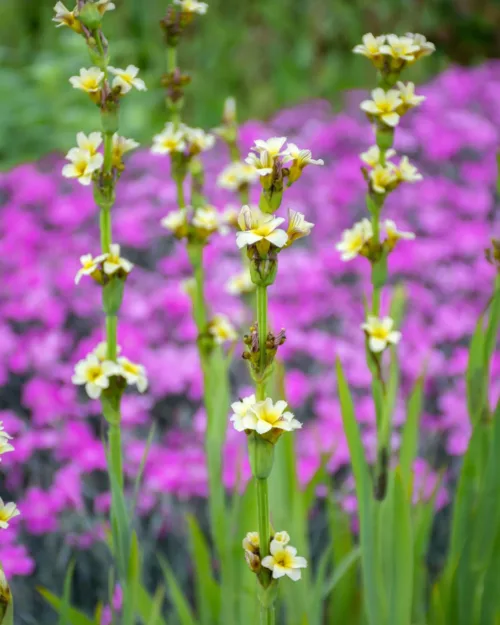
81 167
356 242
379 333
284 559
93 373
129 367
90 84
88 264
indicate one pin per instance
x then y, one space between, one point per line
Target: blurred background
267 54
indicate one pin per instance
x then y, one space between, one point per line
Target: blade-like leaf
179 601
148 609
476 375
346 564
75 616
409 443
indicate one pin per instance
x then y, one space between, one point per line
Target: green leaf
75 616
397 308
149 608
120 525
409 443
66 598
138 478
476 375
344 567
490 602
179 601
492 329
370 573
208 594
396 549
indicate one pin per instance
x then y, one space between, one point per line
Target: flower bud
5 595
90 17
263 270
253 561
261 454
112 296
109 118
385 137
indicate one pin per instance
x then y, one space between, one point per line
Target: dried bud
253 561
493 253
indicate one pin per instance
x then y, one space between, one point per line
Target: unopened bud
253 561
90 17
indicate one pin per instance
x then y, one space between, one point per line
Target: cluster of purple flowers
47 325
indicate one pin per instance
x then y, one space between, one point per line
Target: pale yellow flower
89 80
207 219
382 177
400 48
89 265
251 542
94 374
170 139
354 239
409 99
176 222
241 283
237 174
380 333
300 158
121 146
82 165
127 78
240 411
113 262
5 446
383 106
90 143
265 416
282 538
262 163
370 46
424 47
298 227
7 512
284 560
406 172
198 140
272 147
393 234
222 329
65 17
134 374
104 5
101 350
258 226
192 6
372 156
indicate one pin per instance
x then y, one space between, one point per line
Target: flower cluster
283 559
95 372
7 510
181 139
358 240
390 53
237 176
389 106
266 418
86 161
195 224
105 266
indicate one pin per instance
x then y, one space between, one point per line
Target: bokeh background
267 54
289 65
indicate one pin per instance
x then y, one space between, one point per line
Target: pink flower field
56 474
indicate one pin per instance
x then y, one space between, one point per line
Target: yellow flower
125 79
272 147
113 262
257 226
176 222
89 265
284 560
394 235
94 374
299 158
207 220
406 172
82 165
192 6
380 333
65 17
372 156
121 146
262 163
235 175
370 47
400 48
104 5
198 140
298 227
240 412
282 537
222 329
409 99
265 416
170 139
424 47
7 512
354 240
5 446
89 80
133 373
383 106
382 177
251 542
101 350
89 143
241 283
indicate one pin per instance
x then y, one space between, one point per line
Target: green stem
108 153
173 108
267 616
262 329
115 452
179 185
195 253
111 332
105 225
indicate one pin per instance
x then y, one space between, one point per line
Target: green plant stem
108 153
174 109
267 616
262 330
179 185
115 452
